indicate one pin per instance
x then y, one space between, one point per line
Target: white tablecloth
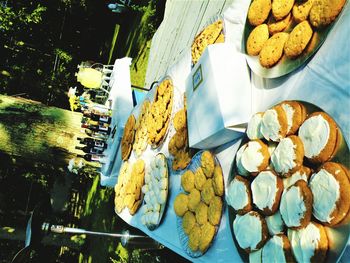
324 81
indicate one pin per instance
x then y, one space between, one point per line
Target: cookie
187 180
207 163
298 39
324 12
199 179
278 26
194 238
218 181
256 39
180 120
207 192
188 222
194 198
296 114
272 50
181 204
181 160
128 137
258 11
201 213
281 8
207 235
301 10
215 210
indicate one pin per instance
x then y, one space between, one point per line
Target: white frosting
314 133
264 189
248 230
239 165
270 126
289 110
255 257
275 223
298 175
292 206
273 250
251 157
284 155
326 191
304 242
237 195
253 129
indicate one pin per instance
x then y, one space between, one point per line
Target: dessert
301 10
218 181
187 180
288 156
256 39
199 179
331 206
296 205
298 39
207 164
194 199
302 174
181 204
250 231
207 235
128 137
239 195
188 222
274 124
207 192
275 224
277 249
319 134
281 8
324 12
272 50
275 26
258 11
295 113
267 189
215 210
254 126
141 139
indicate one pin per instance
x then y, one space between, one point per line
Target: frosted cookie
319 134
272 50
267 189
274 124
252 157
250 231
296 114
277 249
256 39
324 12
288 156
254 126
303 173
281 8
258 11
239 195
298 39
309 244
275 224
296 205
278 26
301 10
331 206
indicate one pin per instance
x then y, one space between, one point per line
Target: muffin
250 231
303 173
274 124
239 195
331 206
275 223
252 157
319 134
267 189
296 114
309 244
288 156
277 249
296 205
253 128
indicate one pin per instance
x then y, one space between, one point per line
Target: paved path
183 19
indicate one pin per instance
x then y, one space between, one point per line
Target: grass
139 66
114 39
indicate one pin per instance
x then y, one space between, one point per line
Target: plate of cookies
128 137
199 205
289 190
141 132
160 112
281 35
128 194
155 192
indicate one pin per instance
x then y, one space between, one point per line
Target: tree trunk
34 131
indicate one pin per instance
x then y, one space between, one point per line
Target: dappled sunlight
5 138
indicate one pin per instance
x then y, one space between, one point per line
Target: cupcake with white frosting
296 205
267 189
250 231
309 244
252 157
303 173
275 224
254 126
239 195
296 114
288 155
277 250
331 206
274 124
320 137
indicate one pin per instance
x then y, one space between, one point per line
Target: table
324 81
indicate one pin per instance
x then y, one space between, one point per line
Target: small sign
197 78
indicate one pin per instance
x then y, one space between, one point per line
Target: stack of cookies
210 35
286 27
160 113
128 137
200 205
178 144
128 188
141 134
287 189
